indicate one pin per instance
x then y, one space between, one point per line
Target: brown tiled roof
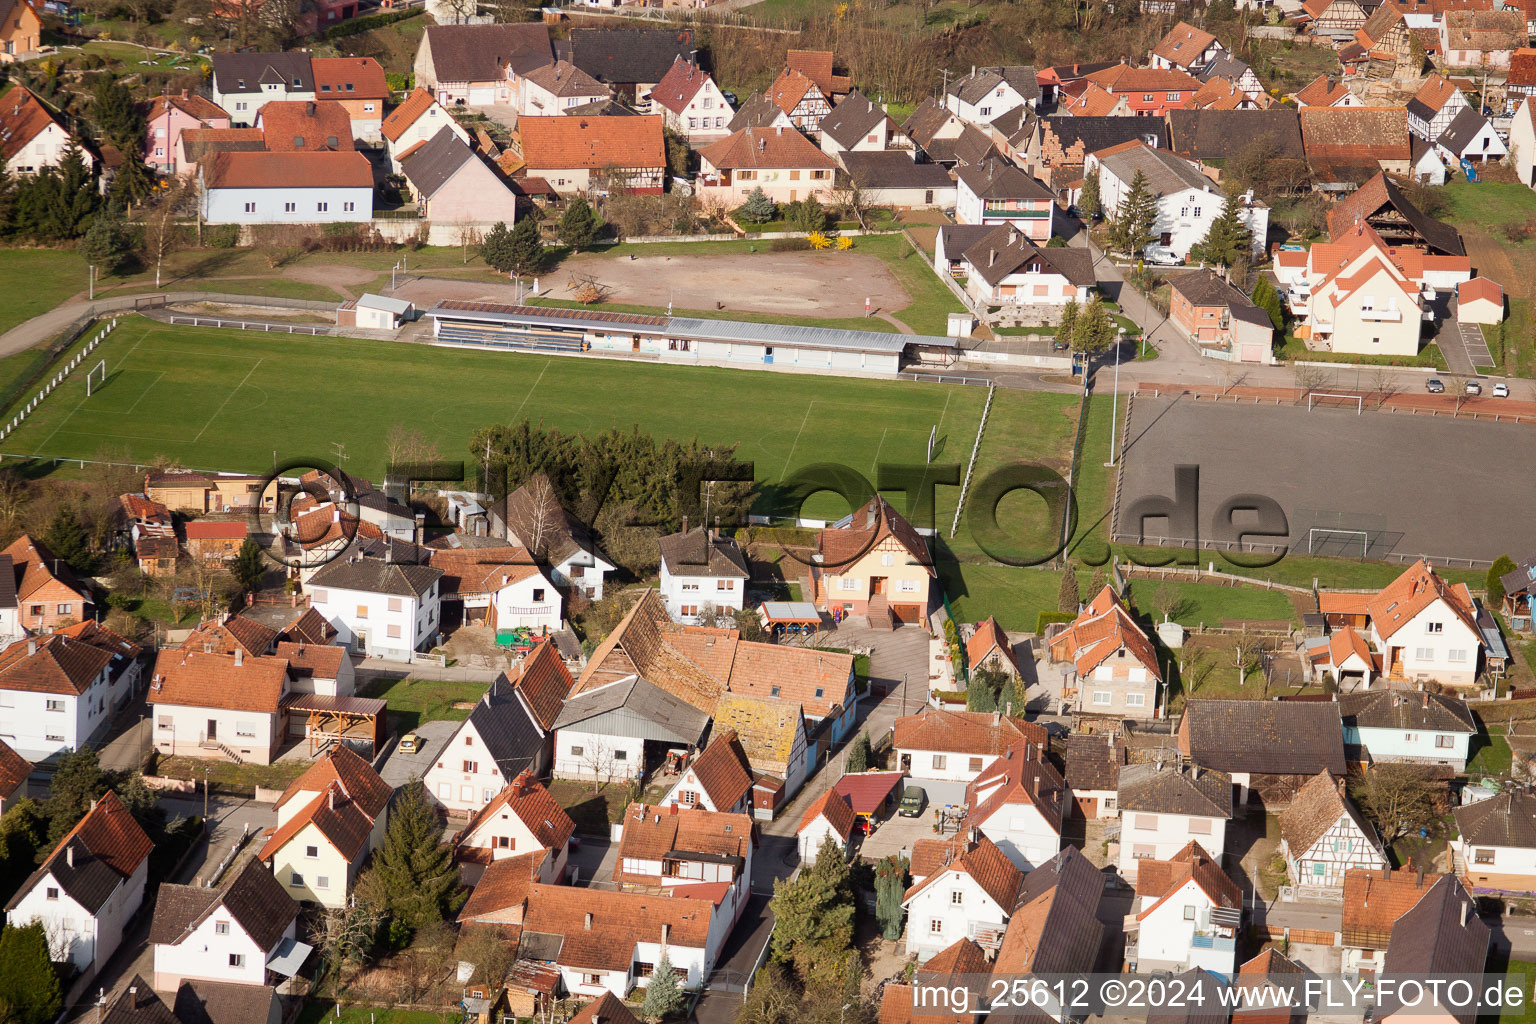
14 770
768 148
1122 78
478 53
637 646
679 85
405 115
1415 590
61 662
237 631
930 855
136 506
1314 810
1266 737
1183 44
505 884
1440 936
1408 711
723 769
22 118
349 78
1374 898
532 804
1020 776
654 833
471 571
191 104
1055 926
551 143
257 902
605 1009
964 732
1381 128
562 79
1485 30
342 819
1507 820
817 66
871 524
309 627
1094 762
305 126
197 143
1175 789
138 1004
201 680
1160 879
544 682
316 661
103 849
838 812
988 866
700 552
599 929
1101 629
789 89
1522 66
284 170
36 567
816 680
1370 199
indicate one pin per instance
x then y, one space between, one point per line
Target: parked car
1161 256
1435 386
913 800
1474 388
1501 390
409 743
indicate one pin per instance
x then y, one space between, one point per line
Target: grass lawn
845 323
323 1011
413 701
226 776
1488 204
592 810
35 280
1525 972
1294 349
1209 603
1490 755
1090 541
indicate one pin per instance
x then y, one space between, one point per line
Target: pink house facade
168 117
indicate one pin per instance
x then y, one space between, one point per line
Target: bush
400 81
789 245
1046 618
370 22
221 236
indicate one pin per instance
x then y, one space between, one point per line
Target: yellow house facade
874 564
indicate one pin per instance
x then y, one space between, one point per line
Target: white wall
1428 655
936 905
415 620
73 934
1507 860
989 108
952 767
39 725
465 776
429 123
271 205
813 835
614 758
532 602
1023 833
1166 936
699 592
1171 834
689 783
243 106
206 954
178 729
587 580
46 149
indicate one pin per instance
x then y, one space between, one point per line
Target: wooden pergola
357 720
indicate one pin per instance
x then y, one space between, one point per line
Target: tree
678 153
813 915
107 244
414 880
1097 582
1384 383
1068 321
344 936
249 565
663 996
806 215
1088 202
1267 299
1094 330
859 754
1398 798
1067 598
979 697
758 209
890 888
29 986
534 514
577 225
1130 229
1310 379
1197 670
1167 601
114 113
163 233
1494 584
65 538
1246 650
774 998
517 252
80 781
1228 242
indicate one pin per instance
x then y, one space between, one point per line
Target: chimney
780 130
32 646
685 524
330 797
69 854
239 656
1037 783
587 925
992 258
309 108
1466 910
421 527
997 717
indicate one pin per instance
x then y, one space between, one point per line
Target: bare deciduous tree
1384 383
163 232
1246 649
1398 798
1197 670
597 760
1310 379
534 514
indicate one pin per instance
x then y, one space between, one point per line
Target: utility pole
205 796
1114 407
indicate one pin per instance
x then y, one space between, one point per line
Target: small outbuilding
375 312
1480 301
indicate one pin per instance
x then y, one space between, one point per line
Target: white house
675 851
957 746
1494 848
1417 727
31 136
1522 143
553 88
604 733
1426 628
418 118
1322 836
243 82
986 94
971 896
499 740
211 704
1471 137
1108 665
286 188
702 572
1018 802
523 817
859 125
998 192
691 103
89 888
58 690
1186 48
501 587
1434 107
379 608
242 932
1188 915
1163 804
1187 201
719 779
374 312
830 815
533 517
1005 268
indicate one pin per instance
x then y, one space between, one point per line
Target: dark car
912 801
1435 386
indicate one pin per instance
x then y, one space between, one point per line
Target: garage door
907 612
482 97
1253 353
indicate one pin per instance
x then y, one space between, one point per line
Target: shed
374 311
791 616
1480 301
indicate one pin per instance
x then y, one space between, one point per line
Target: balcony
1212 941
1392 315
1011 214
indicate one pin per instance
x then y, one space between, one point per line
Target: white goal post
1314 396
95 377
1317 532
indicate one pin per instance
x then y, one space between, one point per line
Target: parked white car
1161 256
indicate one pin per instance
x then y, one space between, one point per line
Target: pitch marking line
227 399
796 444
531 390
875 465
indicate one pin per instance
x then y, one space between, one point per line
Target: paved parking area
1476 344
399 769
896 836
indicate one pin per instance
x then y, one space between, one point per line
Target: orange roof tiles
1122 78
964 732
1416 589
1183 44
22 118
201 680
839 547
789 89
14 770
560 142
349 78
1102 628
835 808
544 682
405 115
1161 879
65 662
1374 898
288 170
224 529
600 928
1436 92
532 804
305 126
36 568
111 835
988 866
764 148
1480 288
355 775
817 66
1322 91
505 884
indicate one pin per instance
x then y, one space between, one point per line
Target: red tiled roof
545 682
505 884
764 148
988 637
204 529
202 680
471 571
988 866
606 1009
190 104
1522 65
355 775
14 770
600 928
36 568
1412 592
136 506
64 662
964 732
288 170
560 142
305 126
1122 78
868 791
1374 898
111 835
1183 44
1480 288
1161 879
22 117
817 66
654 833
835 808
349 78
1021 776
1101 629
679 85
723 770
405 115
533 805
1322 91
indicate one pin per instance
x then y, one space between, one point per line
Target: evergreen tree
1094 330
65 538
134 183
1097 582
1501 566
517 252
1089 203
414 879
1067 598
80 781
758 209
858 753
663 996
29 986
813 915
248 565
1068 321
1267 299
76 198
890 888
577 225
979 696
1130 229
1228 241
115 115
806 215
107 244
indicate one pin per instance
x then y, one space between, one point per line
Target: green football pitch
232 400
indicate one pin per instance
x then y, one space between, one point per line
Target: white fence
57 379
250 325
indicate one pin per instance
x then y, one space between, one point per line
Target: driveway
400 768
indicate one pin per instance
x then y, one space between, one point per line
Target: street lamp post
206 769
92 287
1114 408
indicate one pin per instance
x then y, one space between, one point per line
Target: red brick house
48 593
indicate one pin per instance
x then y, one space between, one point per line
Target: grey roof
435 161
1462 131
629 56
1223 134
1204 1005
852 119
925 121
757 112
219 1002
396 306
1014 123
1096 133
997 178
605 107
697 553
1250 314
1004 251
1408 710
1265 736
7 582
1225 66
476 53
1094 762
138 1004
1071 934
1442 935
974 146
252 896
660 714
690 327
893 168
982 81
247 72
1172 788
89 881
376 576
1521 580
508 729
1508 820
1208 288
1165 172
957 238
1421 110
